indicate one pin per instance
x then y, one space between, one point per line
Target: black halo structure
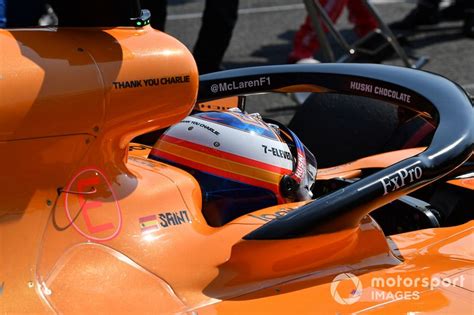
430 95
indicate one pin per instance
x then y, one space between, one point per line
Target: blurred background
265 29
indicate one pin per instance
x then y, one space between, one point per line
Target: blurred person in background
427 12
306 43
218 22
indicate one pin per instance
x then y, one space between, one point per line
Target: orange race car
228 212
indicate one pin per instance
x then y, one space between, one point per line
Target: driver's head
241 162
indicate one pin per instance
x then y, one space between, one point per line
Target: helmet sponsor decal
277 152
300 170
301 167
199 124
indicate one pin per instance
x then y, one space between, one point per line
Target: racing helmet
241 162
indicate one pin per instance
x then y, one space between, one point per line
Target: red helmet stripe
226 155
216 171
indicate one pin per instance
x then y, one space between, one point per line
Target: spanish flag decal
148 223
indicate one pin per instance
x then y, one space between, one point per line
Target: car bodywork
89 224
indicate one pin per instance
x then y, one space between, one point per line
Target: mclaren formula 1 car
90 223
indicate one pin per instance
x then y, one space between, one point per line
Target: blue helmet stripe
240 122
